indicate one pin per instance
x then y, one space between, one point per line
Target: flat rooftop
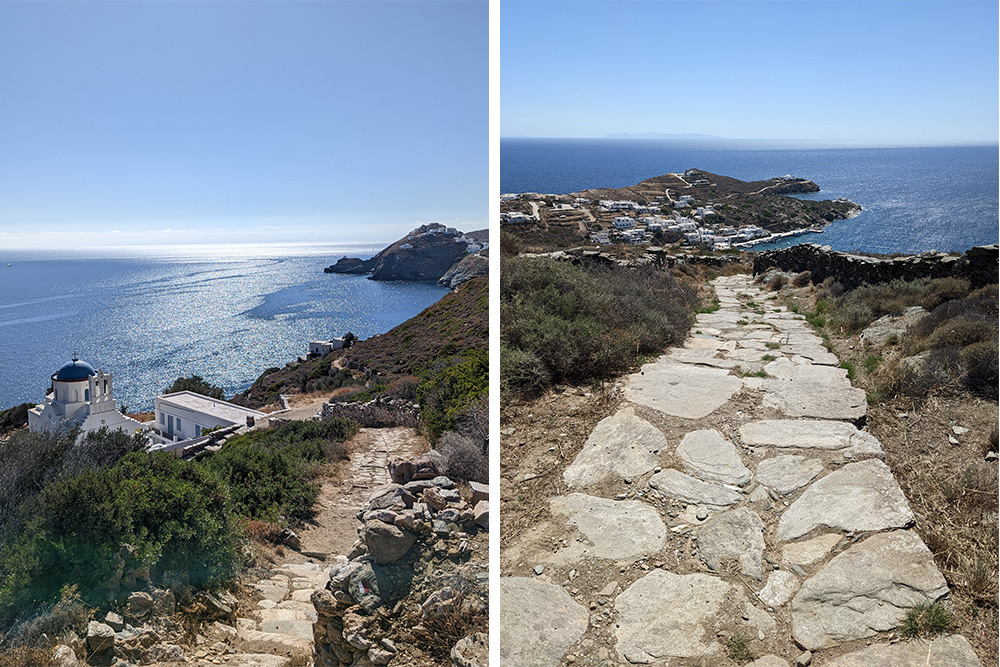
210 406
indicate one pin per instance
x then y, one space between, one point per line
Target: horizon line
717 141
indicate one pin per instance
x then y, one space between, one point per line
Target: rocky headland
427 253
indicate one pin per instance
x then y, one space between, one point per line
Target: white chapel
80 397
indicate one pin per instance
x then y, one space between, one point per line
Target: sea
913 199
152 314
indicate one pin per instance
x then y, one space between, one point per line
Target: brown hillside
459 321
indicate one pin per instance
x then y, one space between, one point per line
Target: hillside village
717 214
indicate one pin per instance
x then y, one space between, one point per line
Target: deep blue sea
150 315
914 199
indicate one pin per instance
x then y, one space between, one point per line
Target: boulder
386 543
64 656
139 604
100 637
472 651
482 511
479 491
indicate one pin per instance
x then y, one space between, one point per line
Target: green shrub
197 384
981 374
174 513
565 323
444 395
521 373
851 369
268 472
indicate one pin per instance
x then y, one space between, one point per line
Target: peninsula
429 252
695 208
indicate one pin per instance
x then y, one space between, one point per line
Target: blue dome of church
75 370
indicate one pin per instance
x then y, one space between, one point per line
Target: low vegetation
198 385
69 513
565 323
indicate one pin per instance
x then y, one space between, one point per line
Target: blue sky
862 73
192 122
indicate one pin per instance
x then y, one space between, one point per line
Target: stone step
281 641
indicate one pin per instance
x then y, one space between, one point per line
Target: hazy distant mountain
662 135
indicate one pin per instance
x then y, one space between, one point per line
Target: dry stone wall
978 265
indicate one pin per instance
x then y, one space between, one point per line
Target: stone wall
978 265
415 526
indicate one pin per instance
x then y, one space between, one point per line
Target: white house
318 348
183 415
80 397
516 218
624 222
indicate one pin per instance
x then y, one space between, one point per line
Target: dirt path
279 632
728 482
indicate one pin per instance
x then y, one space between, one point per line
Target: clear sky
190 122
866 73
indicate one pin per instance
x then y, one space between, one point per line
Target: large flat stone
950 651
811 434
823 392
787 472
613 529
859 496
737 535
808 552
538 622
647 632
681 390
676 484
706 454
620 446
865 590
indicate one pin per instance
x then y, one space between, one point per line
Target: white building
624 222
516 218
318 348
81 397
183 415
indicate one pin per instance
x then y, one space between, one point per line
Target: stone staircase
284 618
730 507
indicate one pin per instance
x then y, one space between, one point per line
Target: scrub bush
565 323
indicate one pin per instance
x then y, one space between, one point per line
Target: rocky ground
724 503
271 620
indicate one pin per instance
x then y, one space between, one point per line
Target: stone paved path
282 624
755 509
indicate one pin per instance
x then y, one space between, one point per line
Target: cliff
426 253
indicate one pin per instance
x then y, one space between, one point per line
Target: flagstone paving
727 508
